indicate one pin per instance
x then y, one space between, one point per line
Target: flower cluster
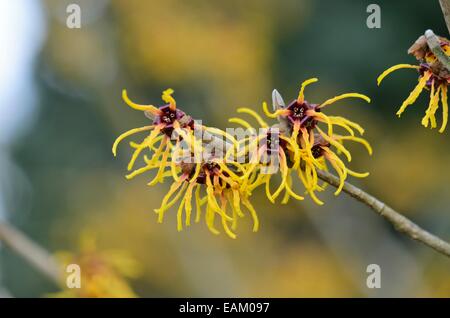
302 145
179 150
432 76
219 170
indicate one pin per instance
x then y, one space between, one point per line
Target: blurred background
61 109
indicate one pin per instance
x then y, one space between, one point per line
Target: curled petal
301 93
392 69
150 108
276 113
168 98
347 95
254 114
126 134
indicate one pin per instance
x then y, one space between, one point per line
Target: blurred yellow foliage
407 164
103 272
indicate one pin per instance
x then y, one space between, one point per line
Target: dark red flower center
273 142
299 113
168 117
318 148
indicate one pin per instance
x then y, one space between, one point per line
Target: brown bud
420 48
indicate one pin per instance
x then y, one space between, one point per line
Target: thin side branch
445 6
400 222
35 255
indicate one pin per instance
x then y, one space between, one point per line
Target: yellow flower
431 77
166 119
215 187
177 152
303 145
270 147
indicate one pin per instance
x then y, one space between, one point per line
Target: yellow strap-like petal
444 108
362 141
180 214
392 69
347 124
165 205
188 203
324 118
240 121
198 204
148 140
267 188
159 175
198 167
167 97
339 166
434 107
338 146
255 115
301 93
126 134
343 96
428 112
284 173
357 174
276 113
249 206
210 216
140 171
133 105
415 93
